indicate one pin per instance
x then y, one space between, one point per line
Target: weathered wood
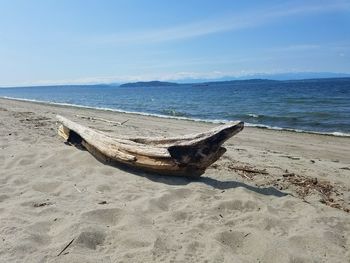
186 156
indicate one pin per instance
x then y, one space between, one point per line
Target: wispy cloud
227 23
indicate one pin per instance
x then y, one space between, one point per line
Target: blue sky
59 42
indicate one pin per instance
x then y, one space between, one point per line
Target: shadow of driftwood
222 185
176 180
233 184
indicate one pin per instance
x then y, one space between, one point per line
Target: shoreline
272 194
257 126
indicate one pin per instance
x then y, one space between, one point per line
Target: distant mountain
236 82
264 81
301 75
149 84
346 79
255 81
276 76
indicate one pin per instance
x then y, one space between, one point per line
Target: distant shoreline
157 83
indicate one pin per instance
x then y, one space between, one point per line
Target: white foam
262 126
116 110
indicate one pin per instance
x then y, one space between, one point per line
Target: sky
44 42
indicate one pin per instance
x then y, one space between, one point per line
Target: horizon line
201 81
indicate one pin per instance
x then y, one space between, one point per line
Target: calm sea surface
319 106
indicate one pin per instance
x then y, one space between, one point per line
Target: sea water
321 105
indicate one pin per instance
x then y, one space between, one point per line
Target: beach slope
275 196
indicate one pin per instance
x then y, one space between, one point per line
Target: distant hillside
237 82
347 79
277 76
270 81
149 84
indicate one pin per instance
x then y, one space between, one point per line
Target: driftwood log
183 156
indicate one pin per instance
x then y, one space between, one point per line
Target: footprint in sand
20 182
238 205
46 187
109 216
3 198
233 239
165 199
103 188
91 238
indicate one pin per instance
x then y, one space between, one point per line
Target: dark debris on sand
303 186
42 204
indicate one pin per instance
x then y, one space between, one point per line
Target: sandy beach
275 196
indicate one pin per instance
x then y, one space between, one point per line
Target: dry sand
52 193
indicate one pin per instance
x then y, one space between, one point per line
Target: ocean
321 106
